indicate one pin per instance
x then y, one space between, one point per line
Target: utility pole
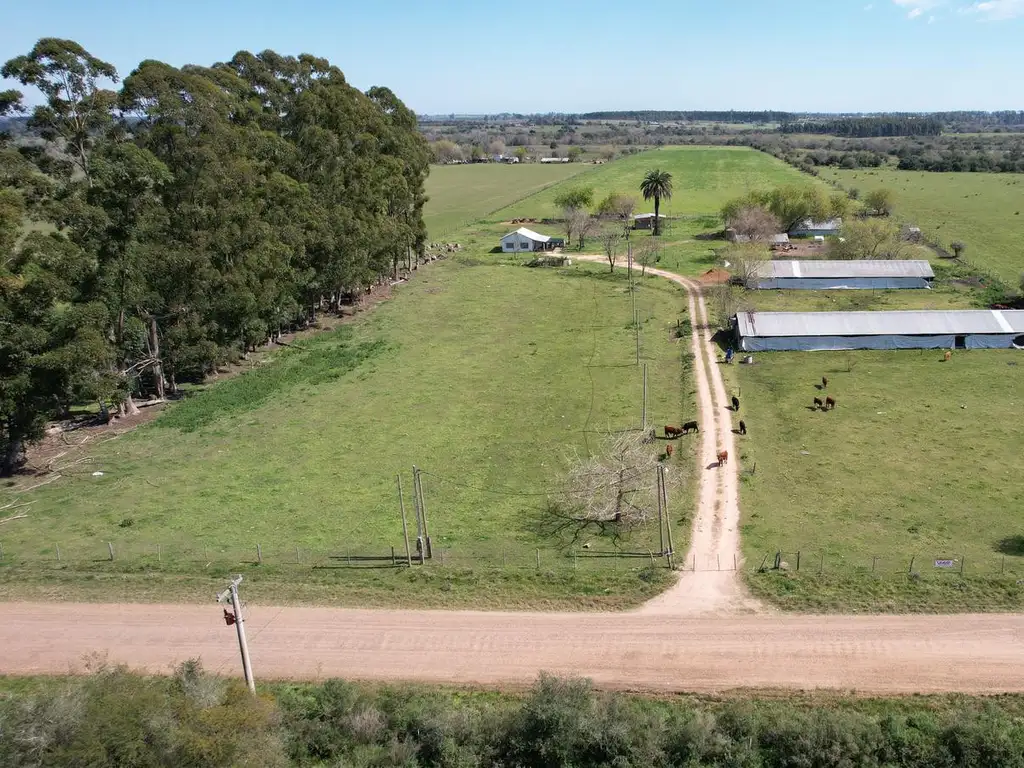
668 519
405 525
661 515
636 324
239 622
423 511
421 546
643 412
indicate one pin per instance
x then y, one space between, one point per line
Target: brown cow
824 382
818 403
671 431
723 457
830 403
690 425
668 450
947 355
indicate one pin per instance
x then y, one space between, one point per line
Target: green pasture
983 210
461 194
704 178
920 460
482 372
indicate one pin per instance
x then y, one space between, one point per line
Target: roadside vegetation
115 718
903 498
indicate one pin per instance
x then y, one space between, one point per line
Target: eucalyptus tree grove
150 233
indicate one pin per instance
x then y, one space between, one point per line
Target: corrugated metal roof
908 323
529 234
844 269
649 216
830 224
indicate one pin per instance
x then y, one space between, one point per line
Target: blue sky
569 55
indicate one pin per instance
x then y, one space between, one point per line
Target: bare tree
647 254
615 486
623 211
744 262
611 240
754 224
726 300
582 224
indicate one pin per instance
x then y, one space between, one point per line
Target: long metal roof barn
783 269
903 323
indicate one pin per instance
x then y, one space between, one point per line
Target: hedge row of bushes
115 718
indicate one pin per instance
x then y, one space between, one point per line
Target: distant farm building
811 228
814 331
526 240
778 242
646 220
832 275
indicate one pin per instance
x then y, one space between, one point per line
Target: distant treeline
657 116
865 127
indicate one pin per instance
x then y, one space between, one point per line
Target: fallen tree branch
38 485
15 517
288 344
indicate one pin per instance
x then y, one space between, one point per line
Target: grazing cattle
690 426
830 403
723 457
743 427
824 382
818 403
947 355
668 450
735 403
671 431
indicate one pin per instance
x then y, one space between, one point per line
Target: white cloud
916 8
869 6
998 10
931 19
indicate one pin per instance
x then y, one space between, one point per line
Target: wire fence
947 564
121 555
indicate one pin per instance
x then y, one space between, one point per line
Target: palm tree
657 184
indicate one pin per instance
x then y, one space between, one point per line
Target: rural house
811 228
524 239
645 220
830 275
927 329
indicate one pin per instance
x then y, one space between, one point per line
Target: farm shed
931 329
524 239
645 220
829 275
811 228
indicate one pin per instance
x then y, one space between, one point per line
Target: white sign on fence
945 563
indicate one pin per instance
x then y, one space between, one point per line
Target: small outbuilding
817 275
526 240
646 220
928 329
811 228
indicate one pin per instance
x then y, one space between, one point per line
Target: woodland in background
151 233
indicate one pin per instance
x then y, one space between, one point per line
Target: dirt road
871 654
707 584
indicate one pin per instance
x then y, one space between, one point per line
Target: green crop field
703 178
483 373
983 210
920 459
461 194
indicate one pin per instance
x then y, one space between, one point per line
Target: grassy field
461 194
920 459
984 210
483 373
703 179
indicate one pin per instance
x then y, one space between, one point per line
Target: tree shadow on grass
1011 545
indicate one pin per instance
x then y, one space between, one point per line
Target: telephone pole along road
630 651
703 634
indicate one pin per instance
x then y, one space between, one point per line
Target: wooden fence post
538 560
821 565
259 554
798 559
58 552
963 559
911 568
110 551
